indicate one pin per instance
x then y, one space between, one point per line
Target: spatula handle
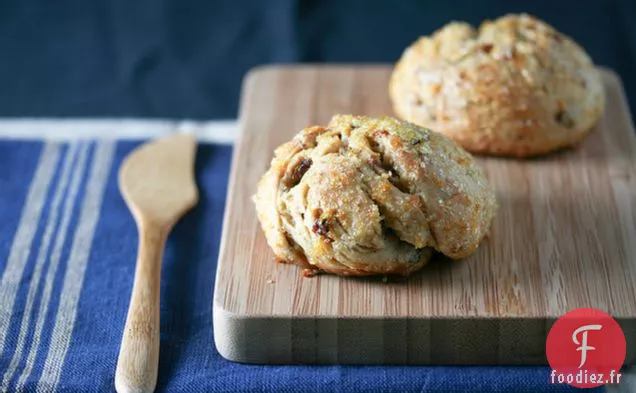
139 352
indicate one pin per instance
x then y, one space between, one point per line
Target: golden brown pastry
513 87
366 196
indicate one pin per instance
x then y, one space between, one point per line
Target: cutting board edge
258 71
264 339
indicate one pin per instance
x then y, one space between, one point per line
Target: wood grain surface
564 237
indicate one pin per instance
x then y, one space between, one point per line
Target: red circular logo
585 348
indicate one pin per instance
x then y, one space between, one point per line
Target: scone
513 87
366 196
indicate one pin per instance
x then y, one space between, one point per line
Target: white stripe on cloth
76 267
220 132
28 225
43 252
69 207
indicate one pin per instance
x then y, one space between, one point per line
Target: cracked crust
513 87
366 196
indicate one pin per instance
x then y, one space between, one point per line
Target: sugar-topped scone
513 87
365 196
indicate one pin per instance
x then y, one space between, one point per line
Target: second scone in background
513 87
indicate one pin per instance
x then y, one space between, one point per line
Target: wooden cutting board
564 237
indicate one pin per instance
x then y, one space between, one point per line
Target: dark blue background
187 58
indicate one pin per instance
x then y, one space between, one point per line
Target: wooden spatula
157 183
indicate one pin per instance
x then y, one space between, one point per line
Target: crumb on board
310 272
270 281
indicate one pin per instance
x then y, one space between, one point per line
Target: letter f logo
584 347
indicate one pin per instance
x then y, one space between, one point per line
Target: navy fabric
76 345
187 58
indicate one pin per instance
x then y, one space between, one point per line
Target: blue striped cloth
67 254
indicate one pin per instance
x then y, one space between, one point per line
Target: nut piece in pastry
513 87
366 196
